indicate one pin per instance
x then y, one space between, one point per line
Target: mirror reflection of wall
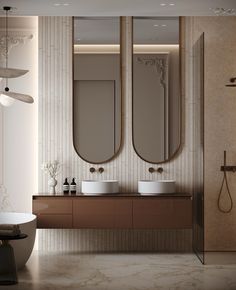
96 86
156 88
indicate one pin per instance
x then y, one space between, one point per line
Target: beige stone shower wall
219 127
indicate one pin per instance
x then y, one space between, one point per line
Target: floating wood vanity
119 211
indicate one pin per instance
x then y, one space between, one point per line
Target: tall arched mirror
156 88
96 88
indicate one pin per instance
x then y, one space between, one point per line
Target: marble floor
48 271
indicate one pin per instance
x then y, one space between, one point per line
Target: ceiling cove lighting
154 48
96 48
7 97
115 48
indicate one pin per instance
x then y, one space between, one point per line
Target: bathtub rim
29 217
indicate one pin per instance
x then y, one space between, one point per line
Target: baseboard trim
220 258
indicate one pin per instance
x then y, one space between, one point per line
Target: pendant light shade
19 97
7 97
11 72
5 100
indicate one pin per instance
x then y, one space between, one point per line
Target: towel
8 226
9 230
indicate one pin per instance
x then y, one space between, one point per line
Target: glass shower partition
198 192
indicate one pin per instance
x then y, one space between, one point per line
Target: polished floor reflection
48 271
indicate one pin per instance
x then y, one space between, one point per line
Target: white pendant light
5 100
11 73
17 96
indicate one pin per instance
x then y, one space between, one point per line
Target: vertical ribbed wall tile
55 142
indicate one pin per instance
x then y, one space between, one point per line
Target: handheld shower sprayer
225 168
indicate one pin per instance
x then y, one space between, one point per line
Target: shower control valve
228 168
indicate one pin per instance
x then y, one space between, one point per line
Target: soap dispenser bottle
66 187
73 186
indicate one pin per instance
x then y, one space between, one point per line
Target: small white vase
52 182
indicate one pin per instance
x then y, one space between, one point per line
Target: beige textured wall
220 126
55 116
55 142
18 123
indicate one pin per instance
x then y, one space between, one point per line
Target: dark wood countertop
116 195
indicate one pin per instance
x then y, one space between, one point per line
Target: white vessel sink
153 187
97 187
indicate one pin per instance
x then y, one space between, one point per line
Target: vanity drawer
102 213
54 221
162 213
52 206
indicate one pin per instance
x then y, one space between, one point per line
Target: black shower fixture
232 83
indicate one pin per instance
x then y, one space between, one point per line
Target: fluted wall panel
55 142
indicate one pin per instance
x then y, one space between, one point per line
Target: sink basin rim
157 181
155 187
100 181
99 187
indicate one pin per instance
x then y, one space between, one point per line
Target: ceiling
117 7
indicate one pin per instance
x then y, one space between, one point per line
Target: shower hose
227 188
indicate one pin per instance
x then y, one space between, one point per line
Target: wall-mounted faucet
92 169
100 169
159 170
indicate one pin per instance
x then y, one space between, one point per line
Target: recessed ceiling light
172 4
163 4
163 25
61 4
156 25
